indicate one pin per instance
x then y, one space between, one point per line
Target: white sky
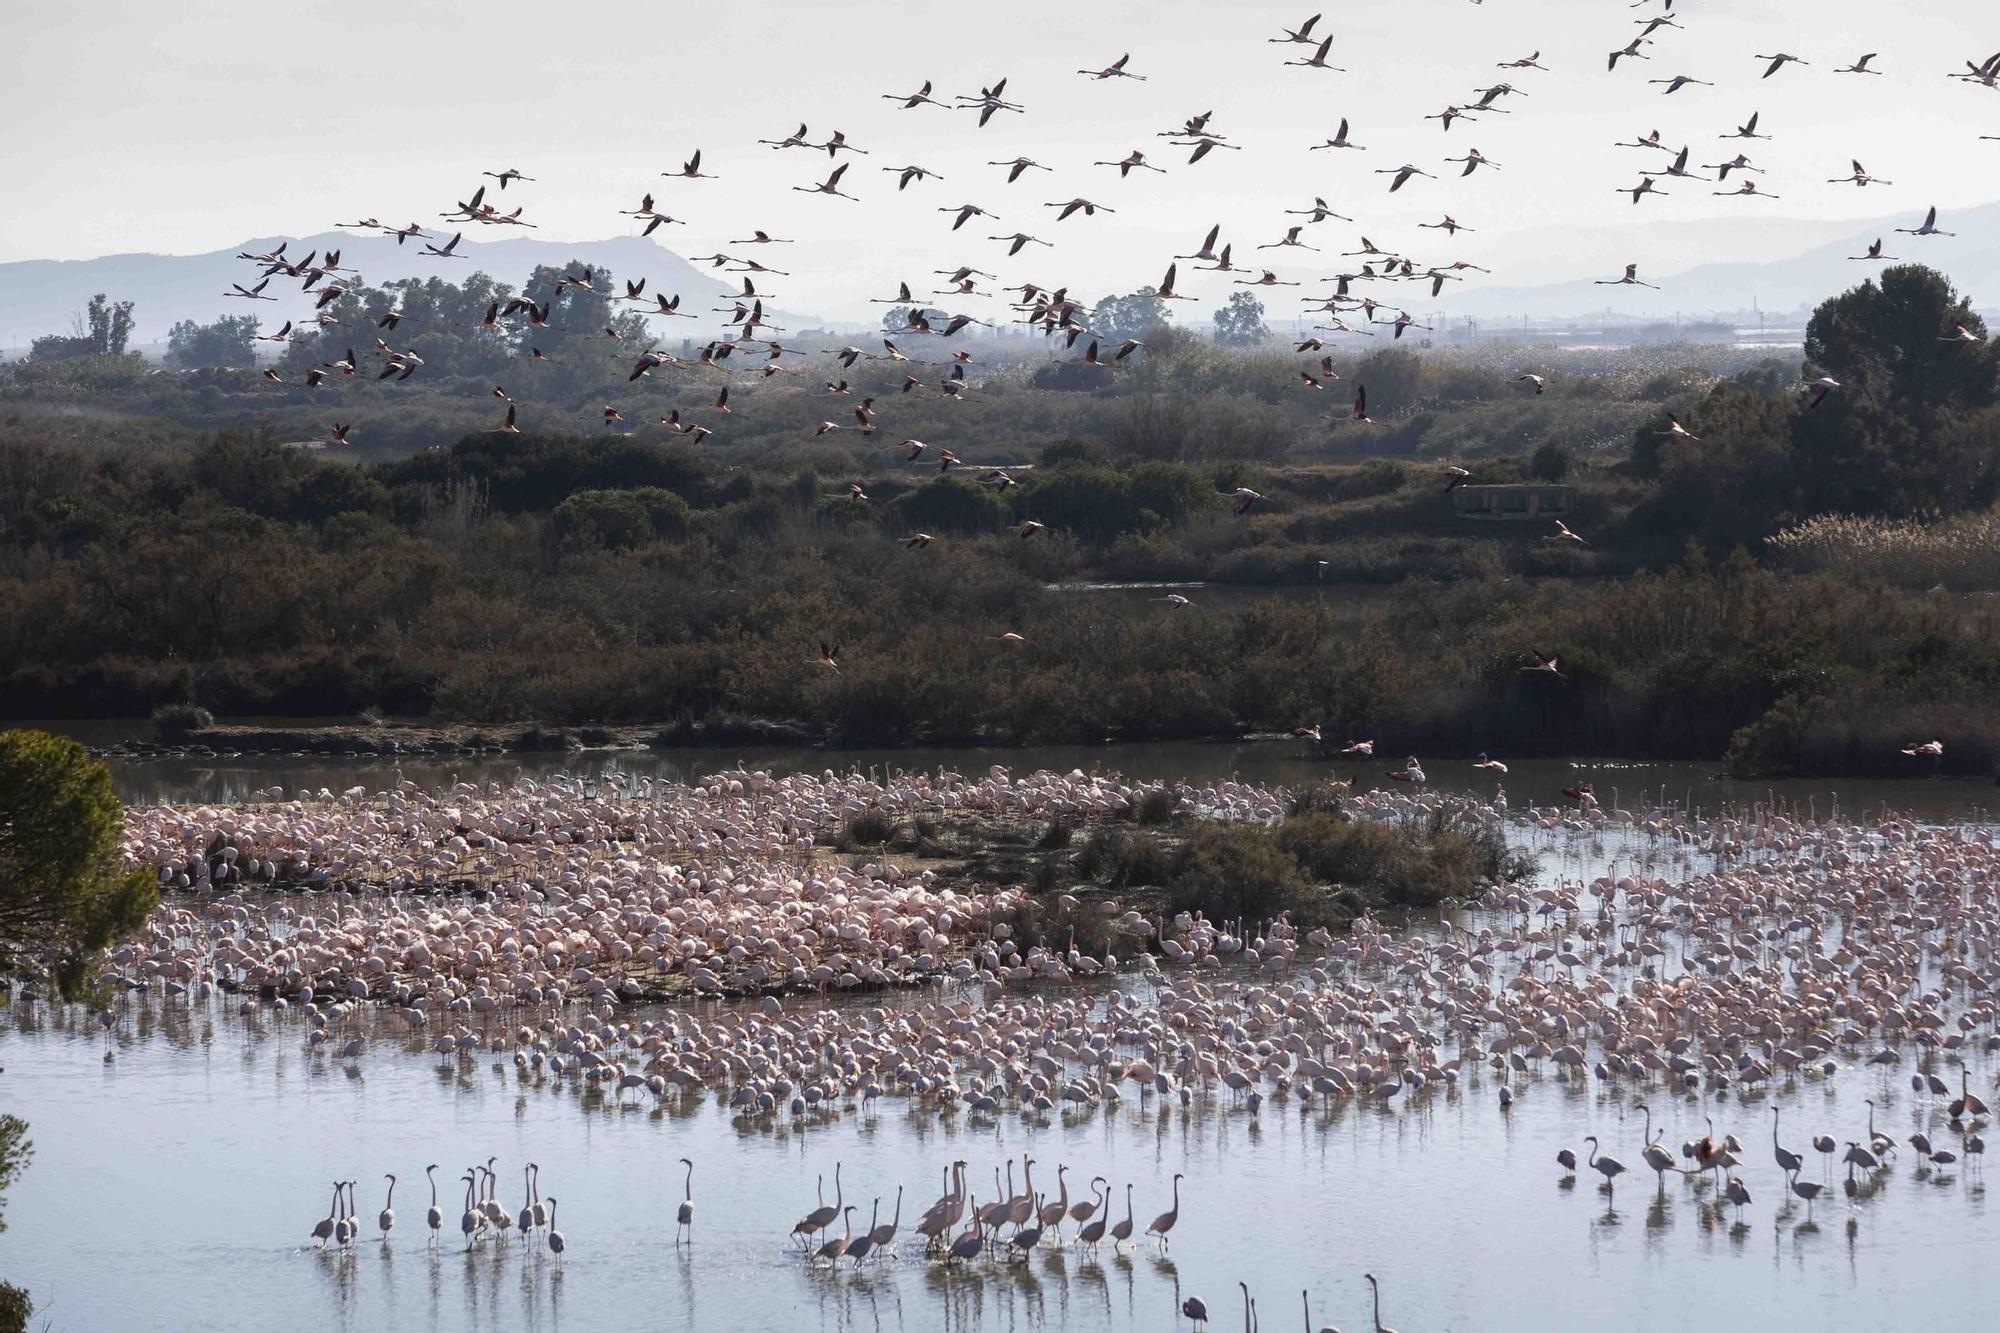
192 126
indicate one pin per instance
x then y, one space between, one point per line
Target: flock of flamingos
1048 303
1806 946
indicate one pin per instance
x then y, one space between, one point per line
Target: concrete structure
1535 500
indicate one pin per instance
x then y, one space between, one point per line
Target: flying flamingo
1928 227
1631 279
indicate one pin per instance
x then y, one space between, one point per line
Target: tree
110 326
620 520
1901 434
65 893
1895 340
950 505
15 1153
1240 323
1551 461
103 329
441 321
226 342
1134 316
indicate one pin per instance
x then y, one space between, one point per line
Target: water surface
176 1187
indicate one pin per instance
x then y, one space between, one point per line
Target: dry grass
1962 553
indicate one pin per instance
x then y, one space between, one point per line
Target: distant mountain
1971 260
44 295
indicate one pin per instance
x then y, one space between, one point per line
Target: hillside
1971 260
43 295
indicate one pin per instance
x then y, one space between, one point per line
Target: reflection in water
1657 1214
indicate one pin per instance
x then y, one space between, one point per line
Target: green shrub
1235 872
176 722
870 828
1156 805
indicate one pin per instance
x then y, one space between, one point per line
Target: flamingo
1631 278
1317 60
1928 227
1376 1288
323 1229
1122 1231
684 1216
1654 1155
1052 1215
1788 1161
1608 1167
858 1249
879 1238
1878 1141
471 1220
1402 175
1968 1102
819 1218
1164 1223
556 1242
1563 534
1115 70
433 1218
1302 35
831 185
968 1245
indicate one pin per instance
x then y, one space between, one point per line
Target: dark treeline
572 578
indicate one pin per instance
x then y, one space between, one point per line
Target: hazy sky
193 126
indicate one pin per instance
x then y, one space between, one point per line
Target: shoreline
418 740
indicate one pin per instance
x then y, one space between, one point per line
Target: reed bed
1962 553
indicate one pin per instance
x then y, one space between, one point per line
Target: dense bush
870 828
176 722
1321 864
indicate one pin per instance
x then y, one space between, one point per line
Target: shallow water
178 1185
